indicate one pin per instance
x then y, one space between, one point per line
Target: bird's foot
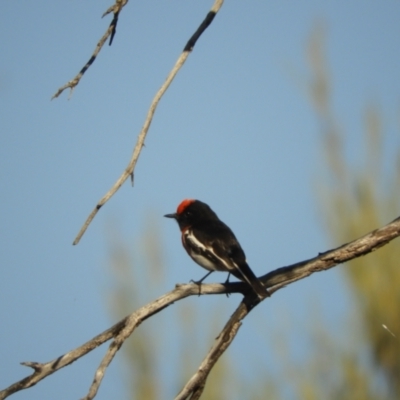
198 283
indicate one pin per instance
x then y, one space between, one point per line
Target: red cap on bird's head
191 210
183 205
181 209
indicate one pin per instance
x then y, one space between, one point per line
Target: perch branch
143 133
274 281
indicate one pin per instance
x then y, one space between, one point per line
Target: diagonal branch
128 172
126 326
324 261
275 280
196 384
110 32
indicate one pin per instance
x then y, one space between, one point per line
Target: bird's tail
247 275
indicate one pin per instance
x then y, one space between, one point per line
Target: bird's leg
227 281
201 280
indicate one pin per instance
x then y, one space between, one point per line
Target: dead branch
196 384
128 172
110 33
274 281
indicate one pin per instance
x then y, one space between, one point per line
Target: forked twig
110 32
274 281
128 172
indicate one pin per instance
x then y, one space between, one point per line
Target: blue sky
234 130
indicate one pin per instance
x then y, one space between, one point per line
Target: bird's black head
191 211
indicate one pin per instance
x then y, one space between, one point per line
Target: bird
212 244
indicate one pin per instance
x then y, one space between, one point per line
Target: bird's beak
175 216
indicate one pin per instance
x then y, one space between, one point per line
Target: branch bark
274 281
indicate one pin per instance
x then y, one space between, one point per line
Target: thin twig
110 33
143 133
274 281
131 323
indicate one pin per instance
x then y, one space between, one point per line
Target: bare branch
360 247
143 133
131 323
274 281
125 327
41 371
195 386
110 32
